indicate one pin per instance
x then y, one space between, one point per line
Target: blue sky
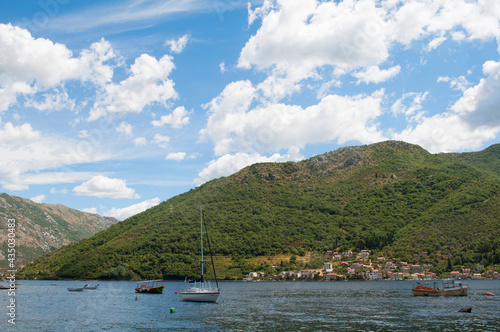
112 107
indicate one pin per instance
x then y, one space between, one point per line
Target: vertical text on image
11 250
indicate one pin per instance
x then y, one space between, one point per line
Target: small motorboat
78 289
150 286
448 287
87 286
4 287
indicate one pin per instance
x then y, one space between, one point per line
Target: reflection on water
259 306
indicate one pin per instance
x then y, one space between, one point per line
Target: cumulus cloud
56 101
161 141
177 119
101 186
140 141
409 104
460 83
90 210
297 37
176 156
446 133
177 46
234 127
124 213
31 65
374 74
231 163
125 128
38 199
148 83
26 151
479 104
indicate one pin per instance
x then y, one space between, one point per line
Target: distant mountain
41 228
393 198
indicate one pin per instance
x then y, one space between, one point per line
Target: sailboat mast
201 227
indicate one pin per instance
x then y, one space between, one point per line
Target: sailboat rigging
201 289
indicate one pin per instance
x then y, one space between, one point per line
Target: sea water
251 306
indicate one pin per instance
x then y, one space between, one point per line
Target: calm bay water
259 306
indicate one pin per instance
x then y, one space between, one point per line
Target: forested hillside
393 198
40 228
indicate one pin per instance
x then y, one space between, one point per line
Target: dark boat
150 287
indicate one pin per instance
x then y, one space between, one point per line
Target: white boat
201 290
87 286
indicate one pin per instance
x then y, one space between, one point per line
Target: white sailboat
201 290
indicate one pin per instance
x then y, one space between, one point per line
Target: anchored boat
201 290
448 287
87 286
150 286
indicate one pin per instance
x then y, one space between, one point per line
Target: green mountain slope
392 197
41 228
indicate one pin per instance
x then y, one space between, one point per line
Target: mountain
393 198
41 228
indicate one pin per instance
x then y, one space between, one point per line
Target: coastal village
362 266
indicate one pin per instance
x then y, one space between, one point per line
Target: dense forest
393 198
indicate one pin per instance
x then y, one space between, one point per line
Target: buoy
467 309
175 292
136 298
489 294
172 310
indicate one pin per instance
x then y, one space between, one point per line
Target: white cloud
234 127
433 44
140 141
130 15
177 119
409 104
31 65
83 134
297 37
52 102
54 191
124 213
101 186
225 111
176 156
147 84
161 140
90 210
374 74
125 128
177 46
27 152
222 67
229 164
38 199
446 133
479 104
309 34
459 83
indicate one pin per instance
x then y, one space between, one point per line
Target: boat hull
153 290
461 291
200 296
